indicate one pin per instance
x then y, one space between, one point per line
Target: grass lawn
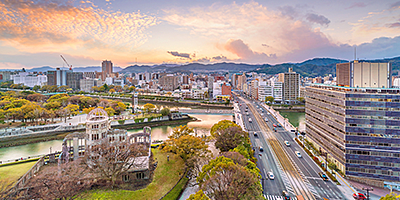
174 194
14 172
165 177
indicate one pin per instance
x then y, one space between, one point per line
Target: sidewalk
375 194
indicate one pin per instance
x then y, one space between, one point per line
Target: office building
358 128
169 82
291 85
278 91
73 79
264 90
364 74
58 77
29 79
106 69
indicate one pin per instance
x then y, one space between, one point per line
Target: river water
297 119
157 133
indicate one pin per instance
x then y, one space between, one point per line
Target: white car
298 154
266 119
271 175
287 143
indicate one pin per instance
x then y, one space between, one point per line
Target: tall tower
106 69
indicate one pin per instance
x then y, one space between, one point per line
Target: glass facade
358 128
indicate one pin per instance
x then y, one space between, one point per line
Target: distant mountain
44 69
321 61
75 69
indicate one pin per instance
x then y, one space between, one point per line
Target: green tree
269 99
223 179
230 138
112 91
301 99
199 195
165 111
36 87
220 126
184 144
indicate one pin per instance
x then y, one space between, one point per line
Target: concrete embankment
290 109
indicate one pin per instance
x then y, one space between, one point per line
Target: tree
36 97
112 91
184 144
222 179
110 159
220 126
5 188
36 87
118 106
148 107
165 111
131 88
391 196
110 111
301 99
230 138
269 99
87 110
199 195
66 181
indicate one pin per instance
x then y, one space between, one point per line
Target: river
157 133
297 119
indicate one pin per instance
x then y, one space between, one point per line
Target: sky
34 33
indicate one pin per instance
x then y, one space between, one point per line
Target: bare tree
108 160
66 181
5 188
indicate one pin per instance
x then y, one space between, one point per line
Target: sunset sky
34 33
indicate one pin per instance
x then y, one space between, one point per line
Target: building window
126 178
140 175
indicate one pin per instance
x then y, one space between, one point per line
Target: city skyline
33 34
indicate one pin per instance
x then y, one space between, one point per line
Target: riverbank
290 109
171 103
29 139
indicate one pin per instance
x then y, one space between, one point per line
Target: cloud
290 11
50 24
29 60
243 51
394 6
357 5
394 25
177 54
318 19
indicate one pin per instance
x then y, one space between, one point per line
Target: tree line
28 106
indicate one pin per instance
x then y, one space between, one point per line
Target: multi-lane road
297 176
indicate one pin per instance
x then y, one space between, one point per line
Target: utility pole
368 189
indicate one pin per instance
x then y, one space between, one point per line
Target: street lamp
368 189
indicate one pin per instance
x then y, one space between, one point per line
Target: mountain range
309 68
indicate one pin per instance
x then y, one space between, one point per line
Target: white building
109 80
29 79
217 89
264 90
278 91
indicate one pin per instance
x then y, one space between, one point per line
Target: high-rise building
278 91
169 82
73 79
358 128
106 69
58 77
364 74
291 85
185 79
264 90
241 81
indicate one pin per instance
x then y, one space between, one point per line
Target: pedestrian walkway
275 197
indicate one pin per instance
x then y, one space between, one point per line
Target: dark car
323 176
285 195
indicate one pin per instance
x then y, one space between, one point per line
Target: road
297 176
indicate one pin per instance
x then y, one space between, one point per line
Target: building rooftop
358 89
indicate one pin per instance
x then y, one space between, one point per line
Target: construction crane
70 66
